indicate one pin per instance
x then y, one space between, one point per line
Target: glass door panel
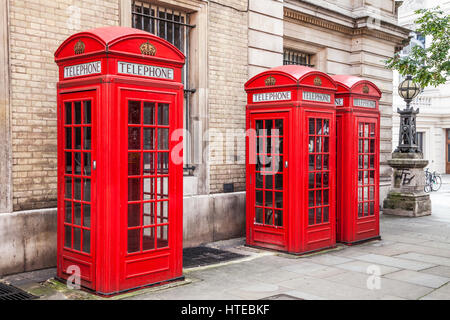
148 176
77 174
366 169
269 173
318 170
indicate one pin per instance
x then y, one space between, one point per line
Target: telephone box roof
295 73
352 84
107 39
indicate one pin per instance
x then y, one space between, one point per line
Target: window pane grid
269 173
318 171
148 175
77 175
366 169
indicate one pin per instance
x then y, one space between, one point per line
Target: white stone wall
265 35
433 102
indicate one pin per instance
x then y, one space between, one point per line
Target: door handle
286 164
94 164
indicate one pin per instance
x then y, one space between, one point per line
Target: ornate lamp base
407 197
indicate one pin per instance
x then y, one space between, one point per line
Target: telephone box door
320 150
367 221
268 175
151 223
76 159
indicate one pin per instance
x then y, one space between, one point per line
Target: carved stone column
407 197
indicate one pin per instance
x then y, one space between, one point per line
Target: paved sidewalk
412 260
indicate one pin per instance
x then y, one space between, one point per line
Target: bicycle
433 181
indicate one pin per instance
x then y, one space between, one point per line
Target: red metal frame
290 86
119 215
358 159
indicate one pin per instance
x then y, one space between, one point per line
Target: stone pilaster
5 137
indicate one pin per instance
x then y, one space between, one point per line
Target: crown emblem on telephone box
79 47
148 49
317 81
270 81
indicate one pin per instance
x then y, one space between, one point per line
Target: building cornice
361 26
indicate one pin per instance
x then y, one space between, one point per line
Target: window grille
297 57
173 26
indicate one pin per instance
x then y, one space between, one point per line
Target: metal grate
173 26
9 292
297 57
203 256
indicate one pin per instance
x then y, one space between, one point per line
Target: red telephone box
120 101
291 159
358 159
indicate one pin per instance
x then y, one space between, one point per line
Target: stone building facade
433 121
227 42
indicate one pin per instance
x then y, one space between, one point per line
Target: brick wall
37 28
228 72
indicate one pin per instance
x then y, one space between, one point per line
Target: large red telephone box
358 159
120 101
291 159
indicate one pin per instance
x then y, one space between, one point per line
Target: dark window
173 26
297 57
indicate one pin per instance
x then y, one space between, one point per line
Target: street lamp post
407 196
407 140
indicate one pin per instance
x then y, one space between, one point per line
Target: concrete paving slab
221 278
442 293
436 295
328 289
419 248
272 276
350 252
362 267
195 291
257 291
442 271
328 259
389 297
325 273
436 244
401 239
444 288
395 262
419 278
303 295
387 248
304 267
426 258
275 261
388 287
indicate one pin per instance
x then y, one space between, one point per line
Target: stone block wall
228 72
37 28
